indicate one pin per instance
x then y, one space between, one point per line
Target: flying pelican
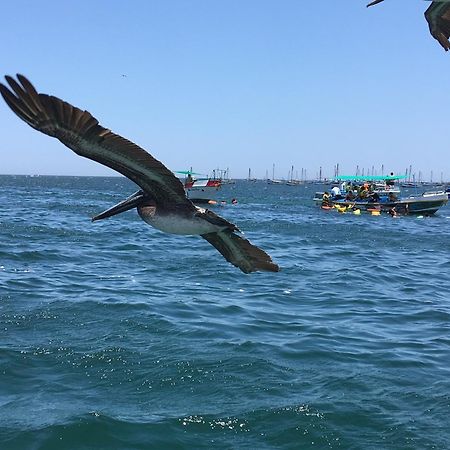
438 18
161 200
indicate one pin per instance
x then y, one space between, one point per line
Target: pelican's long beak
131 202
374 2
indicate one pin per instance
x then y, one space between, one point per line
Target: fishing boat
382 194
200 188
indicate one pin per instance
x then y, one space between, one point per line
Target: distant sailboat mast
273 181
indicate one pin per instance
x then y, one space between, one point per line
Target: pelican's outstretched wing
235 249
438 18
240 252
81 132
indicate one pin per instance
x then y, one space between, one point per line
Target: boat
291 180
249 178
273 180
383 195
200 188
223 175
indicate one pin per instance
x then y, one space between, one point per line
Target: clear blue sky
236 83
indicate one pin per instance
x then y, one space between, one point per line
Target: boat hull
203 191
426 204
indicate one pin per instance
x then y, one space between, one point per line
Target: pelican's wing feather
81 132
212 217
240 252
438 18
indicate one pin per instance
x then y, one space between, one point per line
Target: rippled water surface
114 335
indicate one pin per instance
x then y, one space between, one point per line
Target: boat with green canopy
379 193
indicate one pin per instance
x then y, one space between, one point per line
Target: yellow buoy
357 211
339 208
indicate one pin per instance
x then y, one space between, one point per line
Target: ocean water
116 336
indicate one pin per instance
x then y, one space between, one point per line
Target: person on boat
336 193
350 196
392 197
374 197
326 199
189 179
363 193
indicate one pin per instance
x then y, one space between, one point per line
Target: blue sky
238 83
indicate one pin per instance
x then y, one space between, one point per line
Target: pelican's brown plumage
438 18
161 201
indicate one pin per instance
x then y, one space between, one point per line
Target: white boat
201 189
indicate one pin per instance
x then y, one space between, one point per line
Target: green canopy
187 172
369 177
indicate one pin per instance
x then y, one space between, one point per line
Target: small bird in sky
438 18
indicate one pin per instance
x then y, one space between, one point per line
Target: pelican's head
133 201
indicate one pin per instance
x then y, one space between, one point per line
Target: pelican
438 18
161 200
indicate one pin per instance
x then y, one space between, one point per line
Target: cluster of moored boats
376 195
372 194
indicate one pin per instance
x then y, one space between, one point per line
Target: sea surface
114 335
